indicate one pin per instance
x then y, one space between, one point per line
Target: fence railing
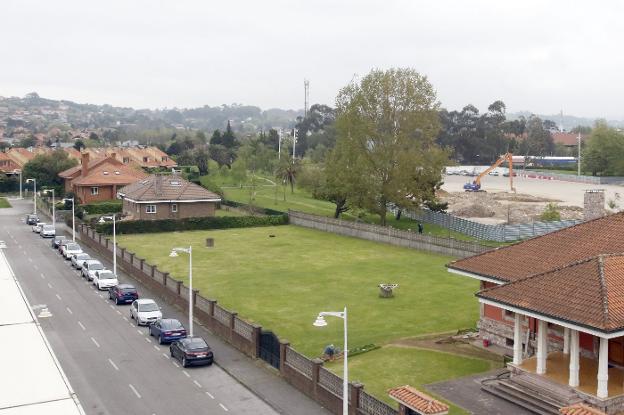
541 174
307 375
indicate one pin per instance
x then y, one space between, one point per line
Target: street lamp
114 245
320 322
73 216
34 181
53 213
173 254
18 171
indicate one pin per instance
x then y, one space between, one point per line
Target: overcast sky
542 56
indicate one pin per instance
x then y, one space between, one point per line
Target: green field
4 203
282 282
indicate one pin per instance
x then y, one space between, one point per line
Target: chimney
85 163
593 204
158 185
114 155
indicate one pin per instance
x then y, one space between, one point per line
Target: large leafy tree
539 141
386 151
604 152
46 167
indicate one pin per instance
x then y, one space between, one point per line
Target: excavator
475 186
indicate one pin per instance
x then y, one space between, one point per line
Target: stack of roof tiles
417 401
580 409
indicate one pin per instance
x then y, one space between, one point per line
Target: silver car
89 267
79 259
70 249
47 231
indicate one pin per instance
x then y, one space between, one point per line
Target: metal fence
499 233
540 174
330 381
372 406
299 362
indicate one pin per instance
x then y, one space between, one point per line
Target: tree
216 139
222 155
29 141
228 138
201 161
604 152
539 141
314 179
79 145
271 139
93 136
287 172
385 152
46 167
200 137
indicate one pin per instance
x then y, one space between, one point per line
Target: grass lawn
4 203
282 283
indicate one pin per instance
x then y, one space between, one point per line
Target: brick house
98 180
557 301
167 197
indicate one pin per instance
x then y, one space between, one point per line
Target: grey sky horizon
542 57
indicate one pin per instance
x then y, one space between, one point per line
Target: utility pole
578 162
306 98
294 142
279 144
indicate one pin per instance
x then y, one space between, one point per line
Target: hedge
265 211
191 224
101 208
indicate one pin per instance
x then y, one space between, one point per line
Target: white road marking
95 342
29 259
59 297
140 332
186 374
157 349
131 325
113 364
111 306
223 407
138 395
35 266
148 339
43 276
69 310
125 318
118 312
175 364
82 326
165 354
209 394
49 285
197 383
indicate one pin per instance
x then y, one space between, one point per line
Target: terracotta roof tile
418 401
547 252
588 292
161 187
580 409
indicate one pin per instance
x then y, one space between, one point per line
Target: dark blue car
167 330
192 351
123 294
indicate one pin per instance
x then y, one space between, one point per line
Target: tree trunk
398 214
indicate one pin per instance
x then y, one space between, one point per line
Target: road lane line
49 285
69 310
166 355
148 339
197 383
111 306
157 349
138 395
118 312
95 342
113 364
125 318
223 407
140 332
210 394
43 276
59 297
186 374
35 266
29 259
175 364
82 326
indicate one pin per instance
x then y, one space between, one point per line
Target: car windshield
128 290
73 247
96 266
172 325
148 307
48 228
106 276
82 256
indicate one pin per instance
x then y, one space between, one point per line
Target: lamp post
53 211
320 322
18 171
173 254
114 245
73 199
34 181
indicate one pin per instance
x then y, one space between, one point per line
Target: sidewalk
258 377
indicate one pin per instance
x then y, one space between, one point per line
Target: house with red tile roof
414 402
557 301
98 180
7 165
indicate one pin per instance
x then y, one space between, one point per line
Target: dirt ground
454 344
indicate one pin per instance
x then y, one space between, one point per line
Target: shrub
101 208
551 213
264 211
191 224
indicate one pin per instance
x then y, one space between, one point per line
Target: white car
493 173
89 267
70 249
104 279
79 259
145 311
37 228
47 231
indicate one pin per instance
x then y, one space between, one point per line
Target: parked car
56 241
63 243
79 259
89 267
167 330
48 231
38 226
192 351
123 294
70 249
145 311
104 279
493 173
506 174
463 173
32 219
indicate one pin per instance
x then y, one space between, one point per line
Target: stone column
603 369
574 359
542 347
517 346
566 340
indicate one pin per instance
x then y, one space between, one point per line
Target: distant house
98 180
567 139
7 165
167 197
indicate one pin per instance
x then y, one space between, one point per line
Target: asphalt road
113 365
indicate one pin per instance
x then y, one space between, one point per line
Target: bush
101 208
551 213
191 224
264 211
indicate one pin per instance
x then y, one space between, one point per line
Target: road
113 365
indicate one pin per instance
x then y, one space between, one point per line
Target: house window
509 313
95 190
150 209
174 207
126 160
164 158
145 159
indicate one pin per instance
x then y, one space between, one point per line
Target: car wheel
171 352
160 339
184 362
131 316
116 301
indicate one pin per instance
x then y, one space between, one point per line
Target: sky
540 56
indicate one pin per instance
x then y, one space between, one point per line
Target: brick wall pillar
316 367
152 273
284 344
106 244
355 388
164 280
142 263
100 238
131 258
195 293
179 287
255 339
122 253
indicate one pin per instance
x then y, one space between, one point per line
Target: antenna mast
306 98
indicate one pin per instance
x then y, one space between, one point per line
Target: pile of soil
475 210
